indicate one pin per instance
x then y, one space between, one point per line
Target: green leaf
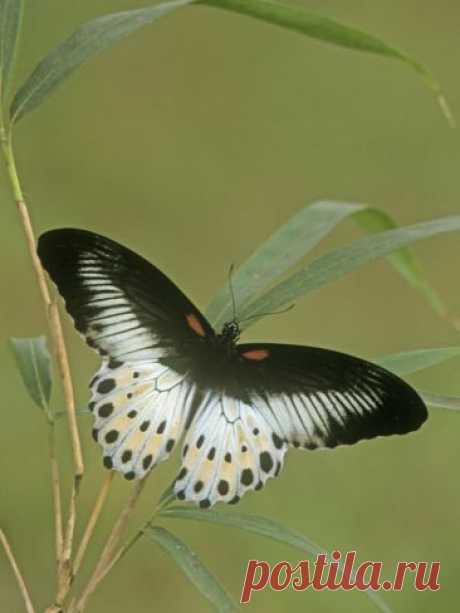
445 402
193 568
344 260
80 411
263 527
289 244
34 364
251 523
167 496
87 41
99 34
10 25
408 362
297 237
327 30
375 220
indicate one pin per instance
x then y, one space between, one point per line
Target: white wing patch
310 420
112 323
230 449
140 412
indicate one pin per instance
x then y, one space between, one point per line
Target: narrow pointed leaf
289 244
408 362
295 239
261 526
340 262
98 34
167 496
193 568
375 220
34 364
444 402
86 42
10 25
299 20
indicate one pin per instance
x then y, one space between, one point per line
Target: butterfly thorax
216 359
230 333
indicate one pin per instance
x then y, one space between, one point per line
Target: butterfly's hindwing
229 450
140 411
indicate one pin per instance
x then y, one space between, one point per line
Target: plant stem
64 368
122 551
17 572
105 558
56 489
51 310
63 545
100 501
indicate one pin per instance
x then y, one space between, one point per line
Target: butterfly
167 375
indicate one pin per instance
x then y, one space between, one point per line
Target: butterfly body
166 375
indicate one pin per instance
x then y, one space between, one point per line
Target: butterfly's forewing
289 395
122 304
145 328
323 398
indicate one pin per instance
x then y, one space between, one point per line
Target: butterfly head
230 331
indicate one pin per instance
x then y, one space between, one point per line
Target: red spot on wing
256 354
195 324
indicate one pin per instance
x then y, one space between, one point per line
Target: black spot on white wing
140 411
231 449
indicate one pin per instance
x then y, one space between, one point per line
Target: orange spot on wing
195 324
256 354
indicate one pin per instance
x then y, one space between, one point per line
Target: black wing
147 332
321 398
122 304
276 395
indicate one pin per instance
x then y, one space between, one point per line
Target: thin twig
17 572
56 489
51 311
70 528
100 501
123 550
64 369
65 568
107 553
64 563
30 240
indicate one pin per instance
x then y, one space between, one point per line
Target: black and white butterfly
166 375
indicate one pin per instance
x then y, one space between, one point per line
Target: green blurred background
191 141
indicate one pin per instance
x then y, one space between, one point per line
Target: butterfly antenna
289 308
232 293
